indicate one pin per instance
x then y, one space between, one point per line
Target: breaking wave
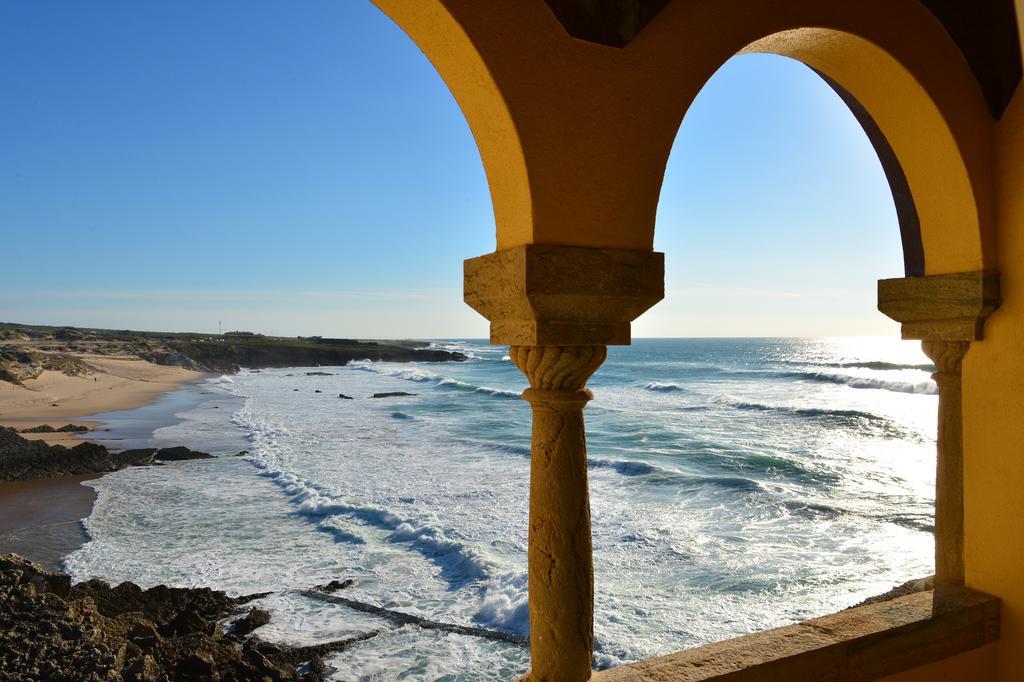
425 377
927 387
659 387
502 599
866 364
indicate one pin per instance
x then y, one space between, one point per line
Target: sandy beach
120 383
39 519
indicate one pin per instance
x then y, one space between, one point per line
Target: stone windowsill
862 643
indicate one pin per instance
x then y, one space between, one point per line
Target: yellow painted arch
574 136
954 202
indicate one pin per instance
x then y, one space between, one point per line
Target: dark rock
256 618
50 630
334 586
42 428
18 571
317 669
319 374
392 394
73 428
196 667
22 459
180 453
344 397
137 457
144 635
144 669
188 622
318 391
241 453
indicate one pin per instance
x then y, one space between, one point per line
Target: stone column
558 308
949 461
561 567
947 313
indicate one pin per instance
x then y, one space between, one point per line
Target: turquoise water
737 485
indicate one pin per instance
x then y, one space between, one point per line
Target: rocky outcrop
392 394
22 459
46 428
52 630
179 454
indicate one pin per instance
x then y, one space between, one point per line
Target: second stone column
561 568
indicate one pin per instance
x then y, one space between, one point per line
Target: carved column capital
948 357
545 295
558 374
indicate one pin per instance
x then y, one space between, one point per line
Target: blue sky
302 169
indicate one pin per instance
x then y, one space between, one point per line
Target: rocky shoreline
51 629
22 459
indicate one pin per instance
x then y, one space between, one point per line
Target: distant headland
28 350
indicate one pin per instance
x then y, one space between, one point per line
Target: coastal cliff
27 350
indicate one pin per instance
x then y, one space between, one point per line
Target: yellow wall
994 414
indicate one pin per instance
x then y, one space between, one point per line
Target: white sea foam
707 523
461 565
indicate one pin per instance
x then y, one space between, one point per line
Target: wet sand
41 520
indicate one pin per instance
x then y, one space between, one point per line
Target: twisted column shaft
561 568
949 471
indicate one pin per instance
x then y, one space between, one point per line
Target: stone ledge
544 295
940 307
862 643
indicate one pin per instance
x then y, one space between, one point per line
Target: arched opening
574 140
817 454
926 166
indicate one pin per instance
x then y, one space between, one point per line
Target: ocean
736 485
